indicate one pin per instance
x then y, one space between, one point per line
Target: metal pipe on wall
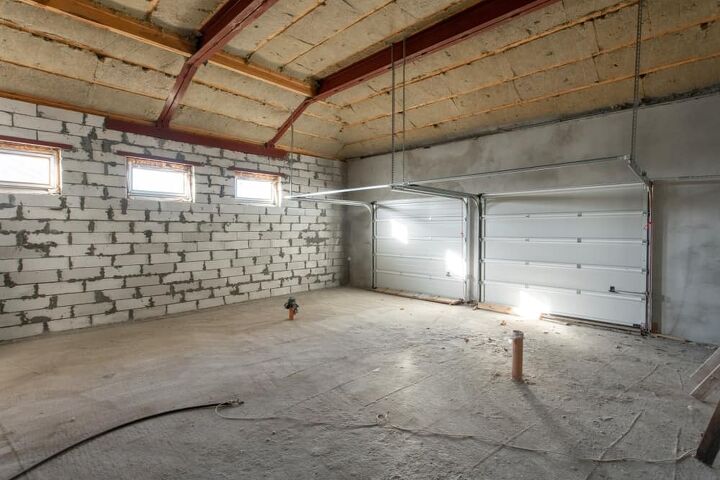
481 250
371 207
373 245
649 254
347 203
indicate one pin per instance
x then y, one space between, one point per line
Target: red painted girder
193 138
227 22
288 123
456 28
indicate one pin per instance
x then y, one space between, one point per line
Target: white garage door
420 246
565 251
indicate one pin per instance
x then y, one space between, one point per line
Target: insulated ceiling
565 59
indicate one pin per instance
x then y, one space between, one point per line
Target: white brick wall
91 256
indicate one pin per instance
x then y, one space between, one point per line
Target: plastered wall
91 256
674 139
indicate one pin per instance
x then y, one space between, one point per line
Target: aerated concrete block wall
91 256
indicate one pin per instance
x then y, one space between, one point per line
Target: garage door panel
566 201
420 208
599 253
444 288
420 246
625 310
436 267
614 226
561 251
571 277
413 228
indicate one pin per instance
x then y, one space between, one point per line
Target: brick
16 106
12 333
130 260
105 319
92 308
104 284
36 123
44 213
143 313
19 305
69 324
75 299
16 291
59 114
52 263
34 277
45 315
80 273
60 288
10 319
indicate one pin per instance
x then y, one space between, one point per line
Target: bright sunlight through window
29 168
158 179
258 188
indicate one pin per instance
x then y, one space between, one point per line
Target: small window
29 168
258 188
159 180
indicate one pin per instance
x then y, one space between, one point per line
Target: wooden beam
227 22
707 385
144 127
704 370
240 65
710 443
184 136
89 13
453 29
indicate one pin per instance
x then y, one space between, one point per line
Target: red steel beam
482 16
193 138
234 16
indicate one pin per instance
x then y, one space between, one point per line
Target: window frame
55 175
258 176
160 165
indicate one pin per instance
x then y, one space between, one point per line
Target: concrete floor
437 375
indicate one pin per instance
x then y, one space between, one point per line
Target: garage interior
386 239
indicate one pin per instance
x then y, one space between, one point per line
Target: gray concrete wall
679 138
90 255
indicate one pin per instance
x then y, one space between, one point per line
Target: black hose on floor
110 430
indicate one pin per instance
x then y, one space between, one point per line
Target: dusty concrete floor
439 375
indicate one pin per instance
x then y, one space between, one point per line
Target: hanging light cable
404 108
392 114
290 157
636 86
